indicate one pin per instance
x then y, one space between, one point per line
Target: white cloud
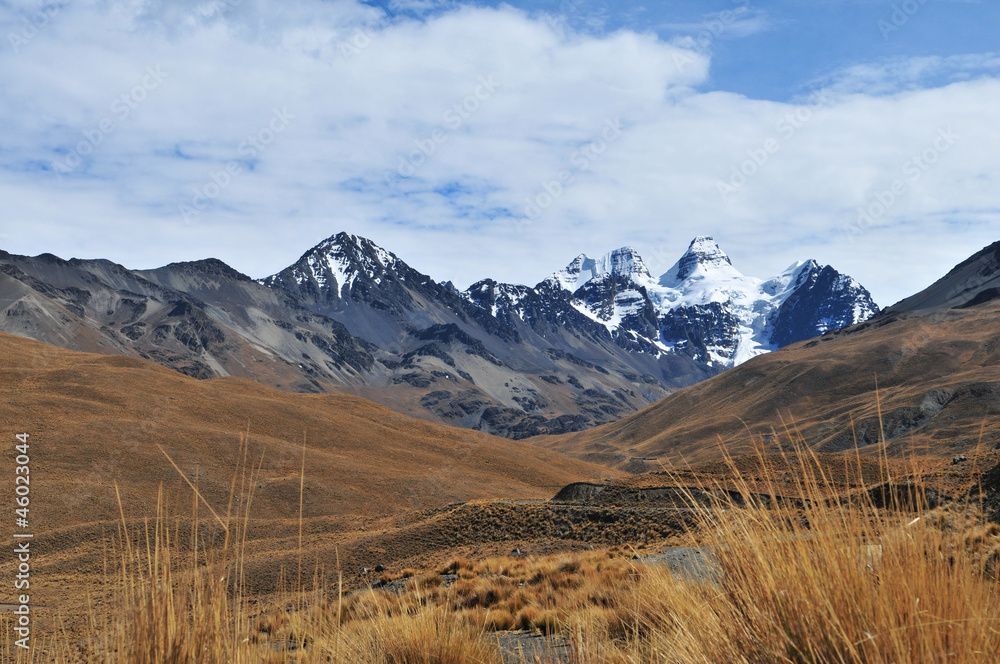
908 73
367 91
736 23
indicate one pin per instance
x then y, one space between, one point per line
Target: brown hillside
95 420
939 380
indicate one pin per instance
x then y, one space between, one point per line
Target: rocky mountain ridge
596 341
702 307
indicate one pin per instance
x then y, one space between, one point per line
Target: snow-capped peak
624 262
703 291
791 278
347 257
341 258
577 273
703 255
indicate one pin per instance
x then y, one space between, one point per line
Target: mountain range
599 339
922 377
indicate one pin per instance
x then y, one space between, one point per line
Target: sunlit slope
938 375
99 420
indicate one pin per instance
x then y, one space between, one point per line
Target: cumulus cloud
472 142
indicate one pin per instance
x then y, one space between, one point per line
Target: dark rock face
545 309
695 329
329 273
702 252
982 297
355 280
451 333
578 492
348 267
825 300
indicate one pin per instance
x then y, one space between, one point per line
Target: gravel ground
531 645
691 563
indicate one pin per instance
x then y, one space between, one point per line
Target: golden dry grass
811 580
99 421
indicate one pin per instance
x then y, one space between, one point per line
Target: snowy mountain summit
703 254
706 309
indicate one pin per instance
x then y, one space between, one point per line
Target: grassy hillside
938 377
105 424
95 420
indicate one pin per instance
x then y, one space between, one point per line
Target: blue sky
502 140
780 49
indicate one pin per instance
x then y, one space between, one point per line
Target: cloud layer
474 142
